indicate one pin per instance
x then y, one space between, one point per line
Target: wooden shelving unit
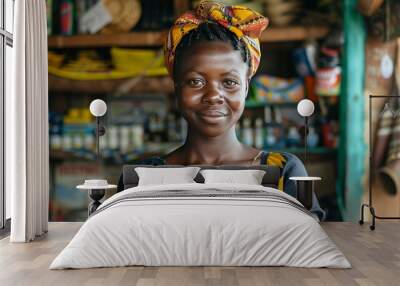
146 84
149 39
156 38
295 33
134 39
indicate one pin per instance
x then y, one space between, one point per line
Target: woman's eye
195 82
231 83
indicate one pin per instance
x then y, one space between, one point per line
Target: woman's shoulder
278 158
289 164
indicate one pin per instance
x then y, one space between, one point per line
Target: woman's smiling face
211 85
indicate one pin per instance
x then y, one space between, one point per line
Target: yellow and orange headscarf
245 23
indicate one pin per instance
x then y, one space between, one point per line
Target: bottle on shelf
247 132
82 6
278 129
124 142
55 141
113 137
89 139
67 17
171 126
67 142
152 128
159 129
293 137
330 133
259 134
77 140
137 133
312 138
56 130
269 138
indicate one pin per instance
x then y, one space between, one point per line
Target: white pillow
162 176
248 177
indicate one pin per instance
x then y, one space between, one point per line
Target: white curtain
27 155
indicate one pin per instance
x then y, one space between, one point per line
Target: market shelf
110 157
156 38
136 39
295 33
162 84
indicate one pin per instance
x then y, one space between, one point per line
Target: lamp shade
305 107
98 107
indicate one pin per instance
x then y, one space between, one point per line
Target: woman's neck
212 150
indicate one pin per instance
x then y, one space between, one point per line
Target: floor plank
374 255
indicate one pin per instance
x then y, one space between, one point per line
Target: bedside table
305 188
96 190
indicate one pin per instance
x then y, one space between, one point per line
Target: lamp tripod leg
372 210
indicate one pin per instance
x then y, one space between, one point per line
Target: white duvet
185 230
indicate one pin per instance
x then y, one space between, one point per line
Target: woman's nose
213 95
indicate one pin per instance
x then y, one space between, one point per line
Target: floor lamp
97 187
306 184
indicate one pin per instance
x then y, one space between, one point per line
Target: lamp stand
98 139
96 195
305 140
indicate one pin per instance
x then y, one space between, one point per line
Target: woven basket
125 15
280 12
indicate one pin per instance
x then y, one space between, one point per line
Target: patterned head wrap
245 23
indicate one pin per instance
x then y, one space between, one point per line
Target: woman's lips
213 113
212 116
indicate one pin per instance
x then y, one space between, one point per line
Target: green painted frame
352 146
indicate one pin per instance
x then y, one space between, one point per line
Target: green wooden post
352 148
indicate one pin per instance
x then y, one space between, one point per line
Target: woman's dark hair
209 31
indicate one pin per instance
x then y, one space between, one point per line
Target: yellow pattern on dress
280 184
276 159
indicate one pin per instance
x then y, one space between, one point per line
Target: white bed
201 224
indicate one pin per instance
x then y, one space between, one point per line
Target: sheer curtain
27 155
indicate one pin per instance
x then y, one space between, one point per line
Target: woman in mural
211 54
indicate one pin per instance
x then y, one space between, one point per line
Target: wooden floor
375 257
